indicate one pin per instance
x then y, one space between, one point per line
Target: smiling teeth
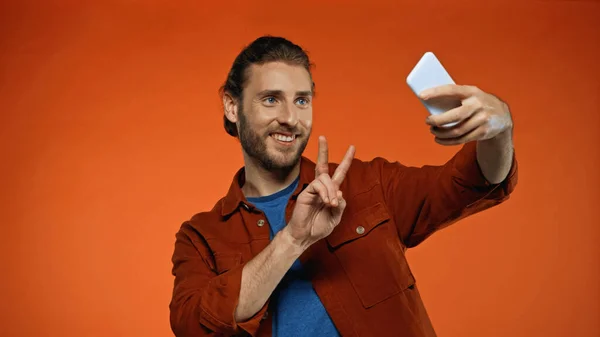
283 138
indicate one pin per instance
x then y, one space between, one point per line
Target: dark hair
262 50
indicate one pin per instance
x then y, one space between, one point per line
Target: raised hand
481 116
320 206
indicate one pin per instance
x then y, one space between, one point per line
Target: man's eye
270 100
302 101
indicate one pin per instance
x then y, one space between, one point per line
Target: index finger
322 159
448 90
342 169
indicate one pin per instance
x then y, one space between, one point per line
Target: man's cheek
307 123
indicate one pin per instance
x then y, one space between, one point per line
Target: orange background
111 137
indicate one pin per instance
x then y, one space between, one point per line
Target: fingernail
423 94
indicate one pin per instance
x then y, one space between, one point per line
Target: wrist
289 244
500 140
506 134
490 150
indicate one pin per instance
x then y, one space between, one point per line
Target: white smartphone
429 73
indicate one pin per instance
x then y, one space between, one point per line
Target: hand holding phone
429 73
476 115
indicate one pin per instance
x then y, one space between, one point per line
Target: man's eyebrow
269 92
304 93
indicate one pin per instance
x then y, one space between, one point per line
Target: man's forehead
278 76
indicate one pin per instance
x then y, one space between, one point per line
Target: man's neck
261 182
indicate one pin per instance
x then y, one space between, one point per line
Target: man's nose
288 115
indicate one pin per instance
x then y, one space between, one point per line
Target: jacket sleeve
203 301
426 199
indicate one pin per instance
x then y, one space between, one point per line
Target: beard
255 146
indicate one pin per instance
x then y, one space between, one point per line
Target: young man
301 248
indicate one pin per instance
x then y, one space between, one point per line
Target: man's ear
230 107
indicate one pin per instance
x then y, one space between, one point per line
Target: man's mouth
285 138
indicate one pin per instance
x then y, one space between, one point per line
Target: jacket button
360 229
260 222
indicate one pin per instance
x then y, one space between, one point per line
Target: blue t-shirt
297 309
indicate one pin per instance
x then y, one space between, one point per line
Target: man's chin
284 160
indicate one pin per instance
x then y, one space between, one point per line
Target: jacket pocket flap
359 224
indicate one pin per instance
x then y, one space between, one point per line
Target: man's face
275 117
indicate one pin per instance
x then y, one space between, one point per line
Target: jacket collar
235 197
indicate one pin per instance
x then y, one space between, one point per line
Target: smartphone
428 73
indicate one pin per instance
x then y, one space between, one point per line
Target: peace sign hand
320 206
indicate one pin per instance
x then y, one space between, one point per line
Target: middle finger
461 129
456 115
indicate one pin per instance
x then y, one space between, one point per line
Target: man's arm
263 273
423 200
495 156
207 304
481 175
